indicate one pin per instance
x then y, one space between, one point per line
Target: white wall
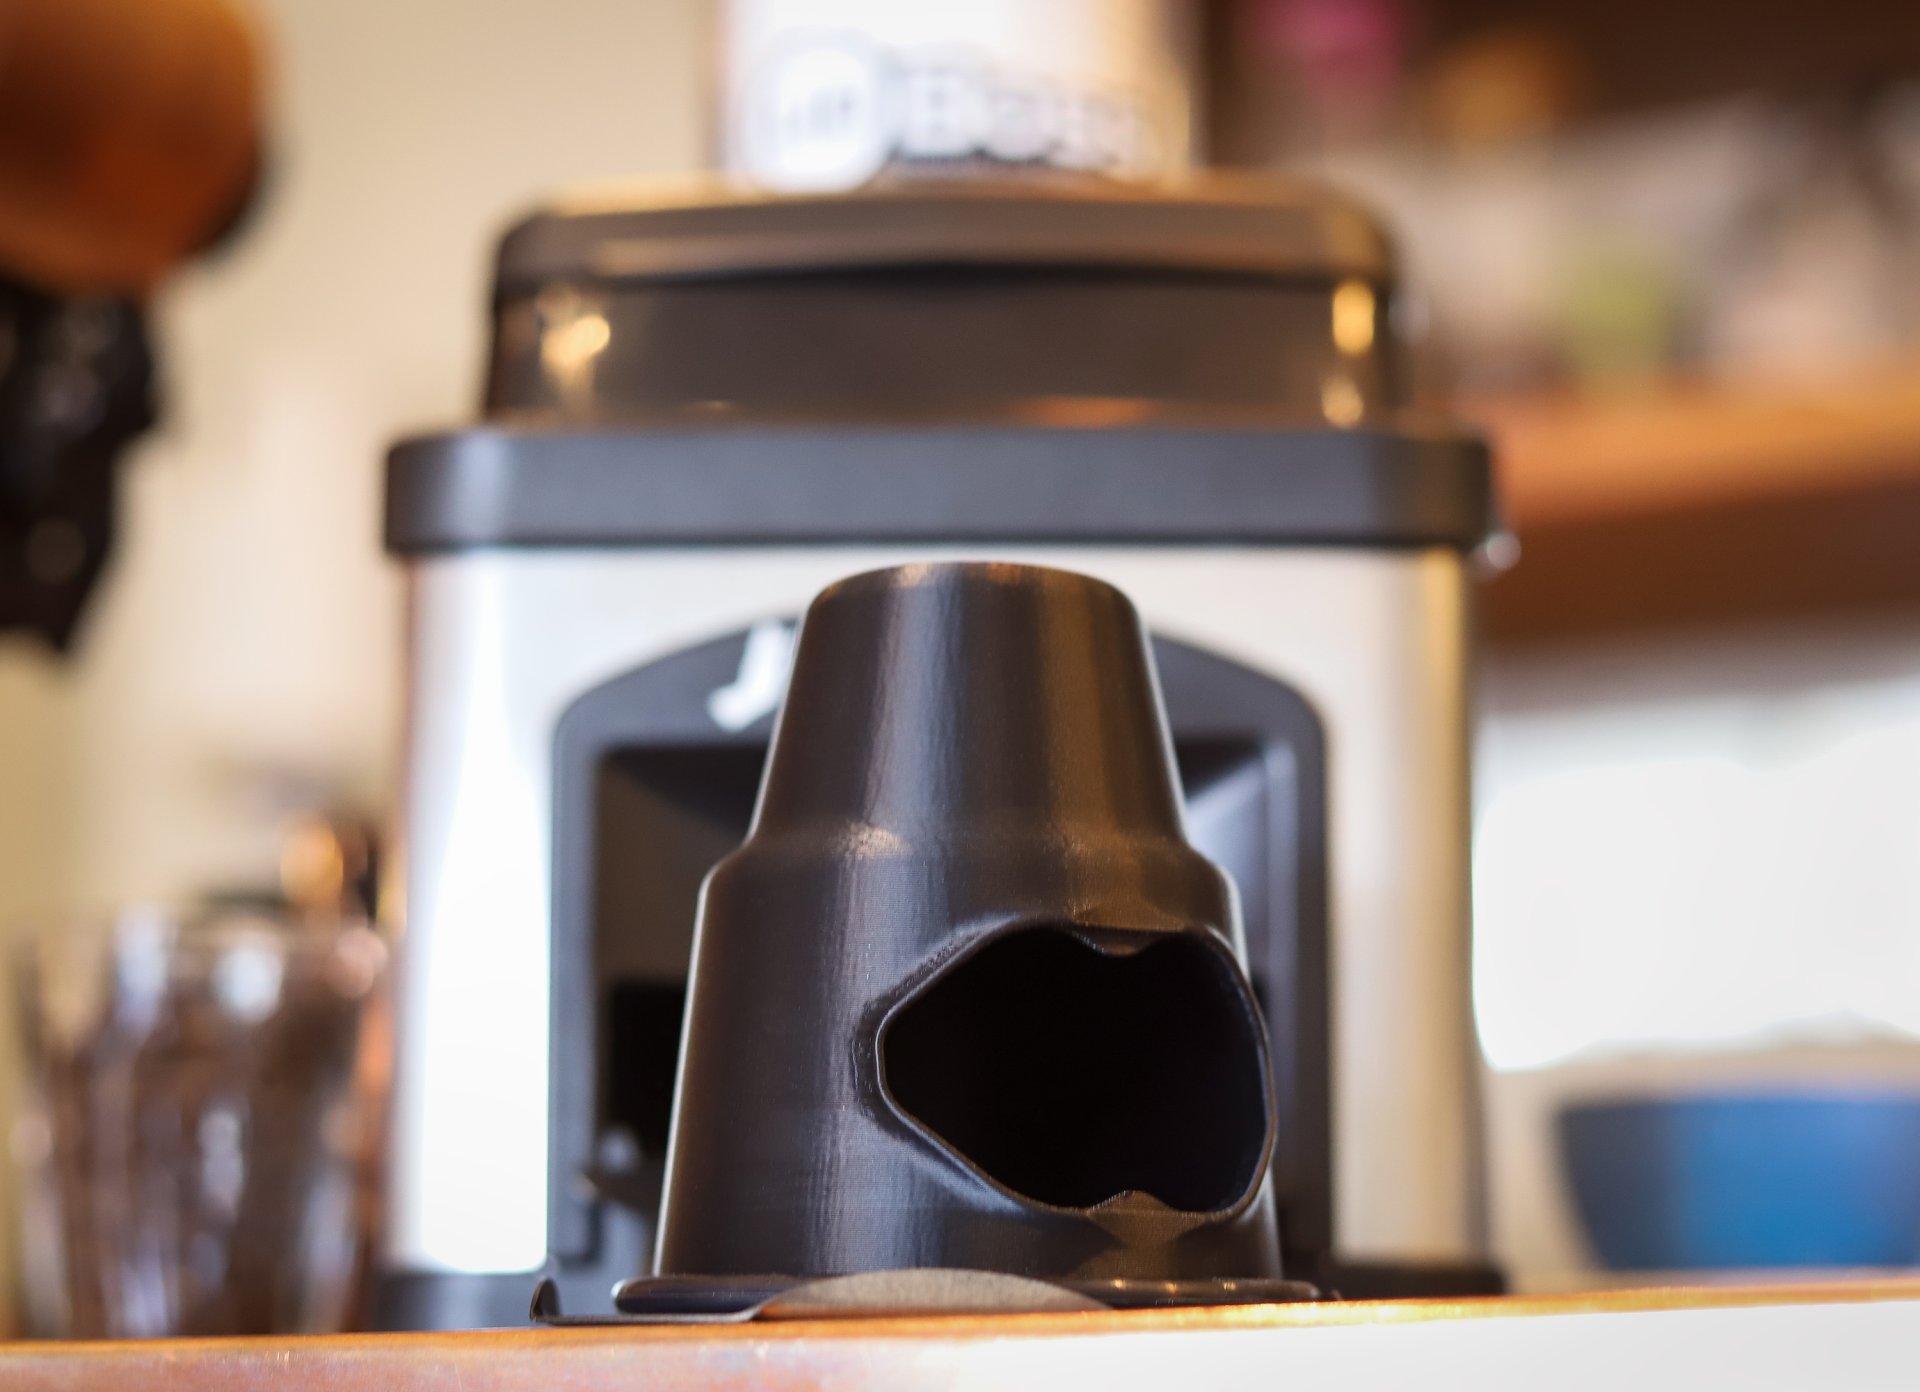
1694 873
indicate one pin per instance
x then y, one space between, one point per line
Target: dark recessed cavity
1071 1075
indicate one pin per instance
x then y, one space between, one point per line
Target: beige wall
246 646
36 787
245 650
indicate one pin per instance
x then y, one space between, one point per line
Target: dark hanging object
76 388
966 997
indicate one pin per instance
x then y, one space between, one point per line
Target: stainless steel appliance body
705 414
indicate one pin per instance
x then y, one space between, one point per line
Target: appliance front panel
505 640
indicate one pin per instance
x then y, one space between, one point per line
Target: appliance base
879 1294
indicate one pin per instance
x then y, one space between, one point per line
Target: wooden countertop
1829 1336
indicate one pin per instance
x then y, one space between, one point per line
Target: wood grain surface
1831 1336
1695 504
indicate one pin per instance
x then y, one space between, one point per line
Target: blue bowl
1705 1182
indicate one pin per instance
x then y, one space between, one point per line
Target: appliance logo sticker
830 111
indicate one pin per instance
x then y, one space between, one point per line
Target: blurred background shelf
1571 457
1688 502
1704 200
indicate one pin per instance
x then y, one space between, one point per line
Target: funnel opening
1071 1075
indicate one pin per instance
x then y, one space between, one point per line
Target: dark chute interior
1070 1074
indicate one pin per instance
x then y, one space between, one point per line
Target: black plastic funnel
966 997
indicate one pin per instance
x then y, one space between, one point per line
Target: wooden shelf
1689 503
1577 457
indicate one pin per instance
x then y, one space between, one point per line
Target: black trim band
800 485
409 1300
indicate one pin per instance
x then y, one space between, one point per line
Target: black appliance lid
1218 223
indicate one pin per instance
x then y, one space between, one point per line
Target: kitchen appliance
701 413
819 96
